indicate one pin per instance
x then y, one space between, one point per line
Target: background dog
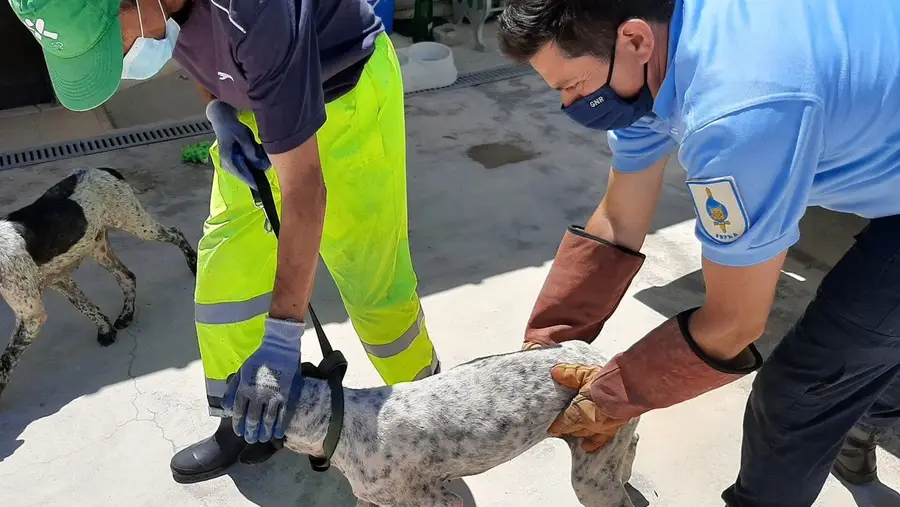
400 443
44 242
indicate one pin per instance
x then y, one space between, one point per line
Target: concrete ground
496 173
46 124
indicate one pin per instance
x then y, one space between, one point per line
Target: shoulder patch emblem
719 208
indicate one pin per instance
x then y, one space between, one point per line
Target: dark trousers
838 366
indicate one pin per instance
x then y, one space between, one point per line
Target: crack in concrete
138 392
134 418
66 455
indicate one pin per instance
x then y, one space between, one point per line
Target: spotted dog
44 242
400 443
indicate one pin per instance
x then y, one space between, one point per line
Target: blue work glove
239 153
258 395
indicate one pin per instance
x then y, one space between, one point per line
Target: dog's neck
309 425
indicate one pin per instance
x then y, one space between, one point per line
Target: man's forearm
626 212
303 199
303 215
602 225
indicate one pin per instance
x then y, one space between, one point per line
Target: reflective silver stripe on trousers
430 369
400 344
232 313
216 388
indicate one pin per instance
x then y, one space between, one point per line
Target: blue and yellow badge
719 208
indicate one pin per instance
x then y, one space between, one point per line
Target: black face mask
606 110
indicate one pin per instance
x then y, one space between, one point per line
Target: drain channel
117 140
481 77
128 138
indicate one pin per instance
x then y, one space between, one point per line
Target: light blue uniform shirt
774 106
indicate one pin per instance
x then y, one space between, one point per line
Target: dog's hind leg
24 297
27 329
599 477
135 220
105 256
106 333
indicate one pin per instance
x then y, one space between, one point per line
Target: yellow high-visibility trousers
365 243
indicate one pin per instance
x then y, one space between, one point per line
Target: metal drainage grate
486 76
107 142
122 139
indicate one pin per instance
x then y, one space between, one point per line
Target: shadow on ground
287 479
874 494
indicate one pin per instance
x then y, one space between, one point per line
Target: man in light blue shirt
771 107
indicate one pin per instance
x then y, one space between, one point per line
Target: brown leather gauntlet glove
586 282
664 368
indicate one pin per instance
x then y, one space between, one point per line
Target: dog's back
491 409
61 225
468 420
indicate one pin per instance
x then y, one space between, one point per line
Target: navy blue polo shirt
282 59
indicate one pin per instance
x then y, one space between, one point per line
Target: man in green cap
313 89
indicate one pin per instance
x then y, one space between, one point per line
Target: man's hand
239 153
257 397
582 418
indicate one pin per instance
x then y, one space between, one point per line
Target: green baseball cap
82 43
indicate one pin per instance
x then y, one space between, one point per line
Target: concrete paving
48 124
496 173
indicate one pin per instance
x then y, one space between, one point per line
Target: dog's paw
124 321
106 338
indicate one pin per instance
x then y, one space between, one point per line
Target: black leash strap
333 366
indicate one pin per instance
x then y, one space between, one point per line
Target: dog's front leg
599 477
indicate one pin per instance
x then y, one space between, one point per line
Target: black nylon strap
332 369
333 366
268 202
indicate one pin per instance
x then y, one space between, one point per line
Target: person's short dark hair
578 27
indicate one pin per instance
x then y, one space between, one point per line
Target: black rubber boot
856 461
210 457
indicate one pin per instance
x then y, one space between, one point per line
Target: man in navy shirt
315 87
772 107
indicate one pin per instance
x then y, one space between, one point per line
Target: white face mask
148 56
